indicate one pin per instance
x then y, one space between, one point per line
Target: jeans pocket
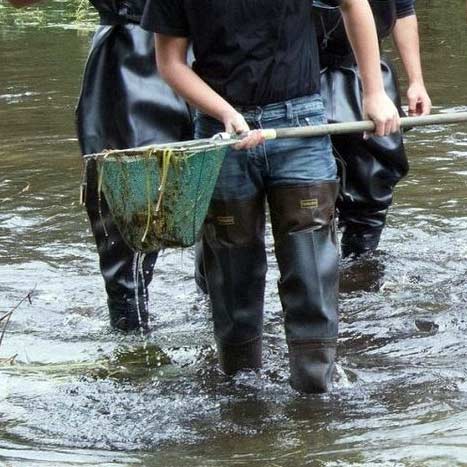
205 126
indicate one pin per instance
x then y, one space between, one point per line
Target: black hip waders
124 103
369 169
125 280
235 269
302 219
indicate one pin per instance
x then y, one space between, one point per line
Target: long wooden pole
300 132
367 125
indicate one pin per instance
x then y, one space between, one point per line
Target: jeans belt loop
289 110
259 115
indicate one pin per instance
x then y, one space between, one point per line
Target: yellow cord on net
148 197
99 190
166 157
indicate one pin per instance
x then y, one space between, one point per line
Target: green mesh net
159 197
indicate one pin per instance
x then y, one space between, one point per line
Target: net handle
226 139
362 126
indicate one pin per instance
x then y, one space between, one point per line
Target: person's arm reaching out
406 38
361 30
171 54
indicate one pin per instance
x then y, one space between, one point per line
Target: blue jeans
298 177
278 162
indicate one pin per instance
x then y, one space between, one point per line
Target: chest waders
123 103
370 169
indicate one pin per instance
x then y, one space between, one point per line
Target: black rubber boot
303 225
126 275
235 269
312 366
244 356
360 241
129 315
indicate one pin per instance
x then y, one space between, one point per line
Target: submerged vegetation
127 362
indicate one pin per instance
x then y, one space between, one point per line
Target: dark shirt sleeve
405 8
166 17
332 3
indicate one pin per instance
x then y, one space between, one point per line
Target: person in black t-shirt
256 66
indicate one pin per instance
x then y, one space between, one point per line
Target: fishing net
159 195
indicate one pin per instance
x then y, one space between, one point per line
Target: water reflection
81 394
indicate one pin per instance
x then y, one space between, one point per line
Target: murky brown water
82 395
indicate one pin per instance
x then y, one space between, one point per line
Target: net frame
194 163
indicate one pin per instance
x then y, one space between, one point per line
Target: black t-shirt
405 8
116 12
252 52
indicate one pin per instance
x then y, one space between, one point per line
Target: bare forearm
406 38
172 63
174 69
195 91
407 42
361 30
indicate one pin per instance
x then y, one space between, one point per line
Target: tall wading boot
126 275
373 167
303 225
360 240
235 265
